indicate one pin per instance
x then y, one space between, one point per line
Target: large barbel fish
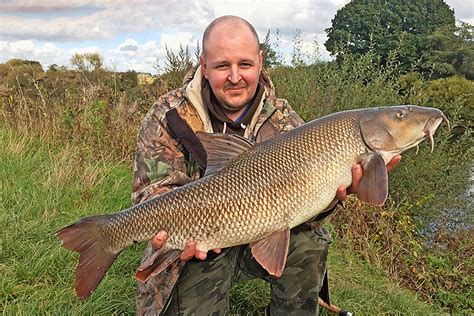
256 193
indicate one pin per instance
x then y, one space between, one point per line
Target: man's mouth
235 87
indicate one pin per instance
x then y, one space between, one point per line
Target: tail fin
85 237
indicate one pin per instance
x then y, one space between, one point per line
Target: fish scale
272 187
260 194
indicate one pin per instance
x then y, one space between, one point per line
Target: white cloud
47 53
128 55
463 10
22 47
84 50
141 58
174 40
92 20
98 20
307 15
172 22
130 45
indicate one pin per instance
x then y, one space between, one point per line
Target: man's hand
341 193
189 250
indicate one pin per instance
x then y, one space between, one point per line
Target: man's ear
203 64
260 58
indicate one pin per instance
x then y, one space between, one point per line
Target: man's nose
234 75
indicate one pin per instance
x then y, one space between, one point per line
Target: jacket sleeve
287 117
160 164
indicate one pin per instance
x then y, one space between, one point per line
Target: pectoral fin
156 264
271 252
373 187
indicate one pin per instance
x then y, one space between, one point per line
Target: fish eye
400 114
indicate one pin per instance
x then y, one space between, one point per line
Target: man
228 93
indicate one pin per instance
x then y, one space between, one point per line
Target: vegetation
97 109
67 140
87 62
421 33
449 53
44 187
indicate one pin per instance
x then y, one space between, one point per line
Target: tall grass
324 88
98 110
96 114
44 187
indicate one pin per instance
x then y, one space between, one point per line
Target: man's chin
235 102
235 105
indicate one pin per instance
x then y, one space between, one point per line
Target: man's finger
356 177
159 240
394 162
341 193
217 250
188 251
201 255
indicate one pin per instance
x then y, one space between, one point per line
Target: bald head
231 25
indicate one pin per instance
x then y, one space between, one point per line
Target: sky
133 34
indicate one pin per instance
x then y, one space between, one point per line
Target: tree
87 61
197 52
53 67
177 64
21 72
401 26
297 55
450 53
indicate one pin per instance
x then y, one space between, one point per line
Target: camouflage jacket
160 161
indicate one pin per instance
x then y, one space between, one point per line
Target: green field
44 187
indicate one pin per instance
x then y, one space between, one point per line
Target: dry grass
90 125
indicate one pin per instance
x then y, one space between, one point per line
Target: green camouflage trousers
203 286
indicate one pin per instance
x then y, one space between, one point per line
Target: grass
44 187
354 286
422 238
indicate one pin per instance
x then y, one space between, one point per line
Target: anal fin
271 252
159 262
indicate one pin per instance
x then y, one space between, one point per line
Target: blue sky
132 34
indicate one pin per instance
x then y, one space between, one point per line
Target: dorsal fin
222 148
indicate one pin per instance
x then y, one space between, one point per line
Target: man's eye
246 65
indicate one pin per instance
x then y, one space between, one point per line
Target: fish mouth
432 125
428 131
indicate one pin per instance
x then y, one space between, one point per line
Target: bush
324 88
428 201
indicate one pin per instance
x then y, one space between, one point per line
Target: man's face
232 64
